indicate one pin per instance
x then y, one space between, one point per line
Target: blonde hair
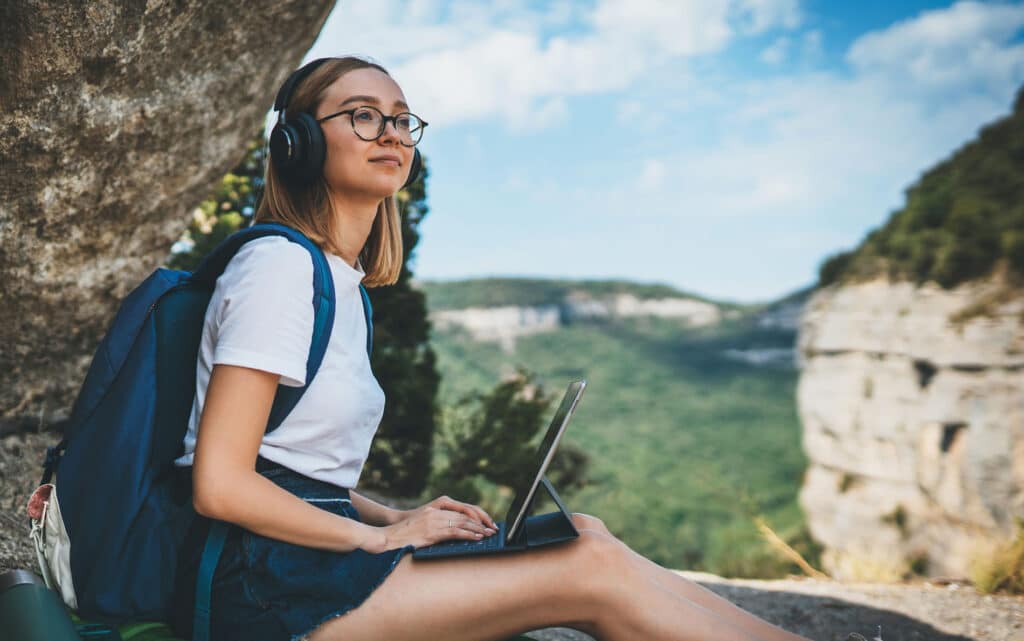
308 207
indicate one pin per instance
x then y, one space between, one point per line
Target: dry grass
786 550
1002 288
1000 568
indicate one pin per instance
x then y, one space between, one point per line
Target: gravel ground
819 610
21 459
829 610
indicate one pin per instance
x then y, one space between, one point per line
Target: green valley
688 443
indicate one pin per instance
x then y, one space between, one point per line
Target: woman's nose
390 131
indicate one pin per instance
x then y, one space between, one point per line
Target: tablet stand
536 530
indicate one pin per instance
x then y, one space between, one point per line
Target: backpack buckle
53 455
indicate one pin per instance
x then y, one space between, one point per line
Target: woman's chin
383 191
373 189
387 188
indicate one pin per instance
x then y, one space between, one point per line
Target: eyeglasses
369 124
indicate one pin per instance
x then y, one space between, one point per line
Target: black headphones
297 142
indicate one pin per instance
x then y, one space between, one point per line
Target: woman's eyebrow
370 99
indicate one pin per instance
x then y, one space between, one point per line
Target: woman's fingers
475 512
485 518
457 524
472 511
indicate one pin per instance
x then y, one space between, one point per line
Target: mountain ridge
496 291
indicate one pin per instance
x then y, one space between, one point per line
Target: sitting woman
308 555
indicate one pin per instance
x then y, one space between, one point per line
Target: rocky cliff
912 391
505 323
912 404
117 118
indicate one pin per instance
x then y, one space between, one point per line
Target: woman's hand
440 520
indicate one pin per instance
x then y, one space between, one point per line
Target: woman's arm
226 485
373 513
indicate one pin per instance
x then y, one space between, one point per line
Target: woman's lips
391 161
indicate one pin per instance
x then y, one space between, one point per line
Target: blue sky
724 147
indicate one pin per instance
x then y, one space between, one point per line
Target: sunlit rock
117 119
912 405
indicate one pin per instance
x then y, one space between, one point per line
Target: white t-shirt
261 316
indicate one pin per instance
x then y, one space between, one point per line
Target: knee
601 568
587 522
600 552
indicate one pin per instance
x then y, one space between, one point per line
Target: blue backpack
125 506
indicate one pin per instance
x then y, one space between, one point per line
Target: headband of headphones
284 94
297 144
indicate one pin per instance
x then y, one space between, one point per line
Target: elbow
206 506
209 498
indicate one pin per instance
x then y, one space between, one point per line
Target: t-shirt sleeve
265 309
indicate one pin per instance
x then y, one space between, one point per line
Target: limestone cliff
912 390
505 323
117 118
912 404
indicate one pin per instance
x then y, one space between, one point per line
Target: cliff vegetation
962 220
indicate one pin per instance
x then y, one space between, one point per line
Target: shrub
487 445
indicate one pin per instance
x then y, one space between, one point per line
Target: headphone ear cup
298 149
414 168
283 147
311 164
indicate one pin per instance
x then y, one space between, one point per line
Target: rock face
506 323
912 404
502 324
116 119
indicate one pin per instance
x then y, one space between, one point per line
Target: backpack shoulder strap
218 532
286 397
368 312
323 303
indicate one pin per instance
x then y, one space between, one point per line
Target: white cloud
943 49
671 27
630 111
776 51
653 174
469 59
808 48
812 45
510 75
807 160
762 15
800 143
546 113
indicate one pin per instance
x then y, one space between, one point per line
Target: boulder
117 118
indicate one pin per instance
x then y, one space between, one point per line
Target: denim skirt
268 590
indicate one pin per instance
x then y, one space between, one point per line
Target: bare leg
593 584
697 594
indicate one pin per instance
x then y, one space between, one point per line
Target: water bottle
30 611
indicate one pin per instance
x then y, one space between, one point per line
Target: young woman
312 557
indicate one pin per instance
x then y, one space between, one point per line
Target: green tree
405 365
229 208
488 444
